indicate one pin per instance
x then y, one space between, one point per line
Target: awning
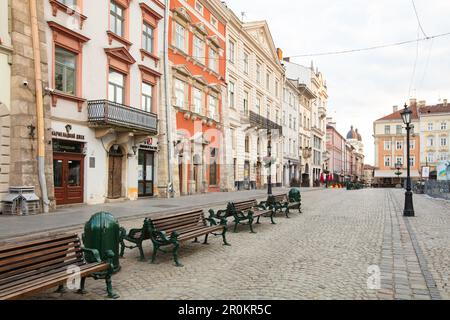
391 174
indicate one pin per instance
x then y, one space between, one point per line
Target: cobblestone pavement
323 253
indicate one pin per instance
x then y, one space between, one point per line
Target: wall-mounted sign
425 172
150 144
67 146
66 135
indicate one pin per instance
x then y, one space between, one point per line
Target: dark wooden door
115 176
68 172
146 173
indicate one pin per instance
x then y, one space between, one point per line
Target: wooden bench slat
6 246
11 253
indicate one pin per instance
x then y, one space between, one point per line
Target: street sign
425 172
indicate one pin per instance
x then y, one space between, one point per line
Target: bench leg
206 239
225 243
141 251
257 220
176 247
155 251
287 213
122 248
109 288
235 226
61 289
271 217
300 209
250 222
82 289
195 241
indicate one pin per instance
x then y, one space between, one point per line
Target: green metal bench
135 236
283 203
173 229
243 212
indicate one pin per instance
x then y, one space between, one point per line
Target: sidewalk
69 217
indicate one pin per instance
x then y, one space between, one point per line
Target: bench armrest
221 215
91 255
161 237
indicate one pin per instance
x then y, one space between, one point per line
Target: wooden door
115 177
68 173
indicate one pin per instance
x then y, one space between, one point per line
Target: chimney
280 54
395 109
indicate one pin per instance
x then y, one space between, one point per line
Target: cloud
362 86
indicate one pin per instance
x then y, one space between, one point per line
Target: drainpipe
170 189
39 104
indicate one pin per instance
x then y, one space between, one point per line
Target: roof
438 108
397 115
354 134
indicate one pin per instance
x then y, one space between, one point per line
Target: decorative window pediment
214 40
121 54
183 70
200 79
149 15
200 27
182 14
66 37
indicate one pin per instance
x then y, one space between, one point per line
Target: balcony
263 123
322 112
104 114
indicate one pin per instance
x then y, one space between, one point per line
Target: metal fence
438 189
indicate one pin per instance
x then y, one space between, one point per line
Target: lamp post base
409 207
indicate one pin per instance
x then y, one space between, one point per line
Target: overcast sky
363 86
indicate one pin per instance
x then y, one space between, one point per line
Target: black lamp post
409 207
269 151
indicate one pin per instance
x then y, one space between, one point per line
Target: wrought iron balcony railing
108 113
264 123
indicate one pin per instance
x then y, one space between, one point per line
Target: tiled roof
439 108
398 116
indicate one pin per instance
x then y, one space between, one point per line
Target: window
247 144
199 49
246 98
199 7
65 71
180 93
294 123
117 19
443 142
387 145
198 98
148 38
213 61
180 37
387 161
399 145
258 73
430 126
430 157
147 97
212 103
69 3
246 65
444 126
116 89
231 94
290 121
214 22
258 105
213 167
412 161
399 160
387 129
443 157
231 51
268 81
284 118
399 129
412 145
430 142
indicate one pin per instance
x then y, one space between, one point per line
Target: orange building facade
391 148
197 48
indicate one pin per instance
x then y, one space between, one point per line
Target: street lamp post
409 207
269 151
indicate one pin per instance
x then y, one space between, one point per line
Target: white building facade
105 84
255 80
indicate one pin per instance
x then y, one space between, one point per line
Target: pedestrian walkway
69 217
327 252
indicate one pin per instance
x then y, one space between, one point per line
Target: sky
363 86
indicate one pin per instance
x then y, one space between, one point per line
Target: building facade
105 73
291 134
391 147
6 51
197 55
253 118
336 147
434 135
355 140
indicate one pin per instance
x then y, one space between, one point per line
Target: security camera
25 83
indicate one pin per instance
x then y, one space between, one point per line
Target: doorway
68 172
146 173
115 173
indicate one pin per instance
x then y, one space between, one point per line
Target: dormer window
198 6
